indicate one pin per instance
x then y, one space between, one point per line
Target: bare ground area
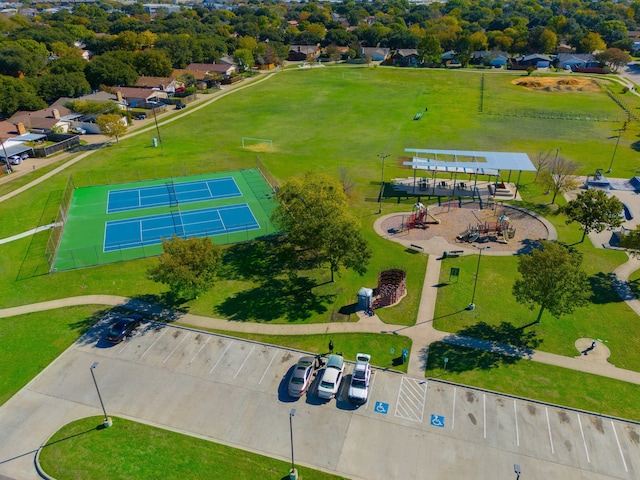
455 220
558 84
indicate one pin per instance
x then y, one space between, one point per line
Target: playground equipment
419 217
392 286
484 232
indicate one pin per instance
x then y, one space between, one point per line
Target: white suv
359 387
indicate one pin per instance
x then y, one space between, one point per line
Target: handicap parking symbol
382 408
437 420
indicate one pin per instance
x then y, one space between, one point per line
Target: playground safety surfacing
454 220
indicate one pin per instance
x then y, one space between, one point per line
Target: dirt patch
558 84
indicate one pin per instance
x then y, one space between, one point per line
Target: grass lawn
31 342
320 121
128 450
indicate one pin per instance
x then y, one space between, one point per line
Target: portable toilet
364 298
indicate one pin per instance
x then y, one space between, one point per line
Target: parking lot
235 392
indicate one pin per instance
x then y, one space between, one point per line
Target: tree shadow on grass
290 298
606 288
257 260
463 359
505 333
481 346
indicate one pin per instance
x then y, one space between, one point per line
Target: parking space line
515 414
373 377
245 360
584 441
619 447
484 413
453 409
549 429
179 343
152 345
268 366
220 358
199 350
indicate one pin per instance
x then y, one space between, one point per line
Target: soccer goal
257 144
352 75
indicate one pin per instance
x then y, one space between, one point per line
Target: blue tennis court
171 193
144 231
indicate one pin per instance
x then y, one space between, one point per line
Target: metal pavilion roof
483 163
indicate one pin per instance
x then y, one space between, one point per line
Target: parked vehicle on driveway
359 386
180 106
331 378
123 327
301 376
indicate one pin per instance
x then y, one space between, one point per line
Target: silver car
301 376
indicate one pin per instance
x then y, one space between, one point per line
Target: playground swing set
419 217
483 232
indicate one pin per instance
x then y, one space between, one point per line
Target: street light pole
107 421
382 156
620 132
472 305
293 473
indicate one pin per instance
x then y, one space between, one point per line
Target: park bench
452 254
416 248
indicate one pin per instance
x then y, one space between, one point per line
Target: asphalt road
234 392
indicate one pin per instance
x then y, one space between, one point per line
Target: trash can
155 142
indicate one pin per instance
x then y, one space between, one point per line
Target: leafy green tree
187 266
552 279
244 58
17 58
18 95
53 86
112 68
112 125
153 63
594 210
314 213
430 50
591 42
631 242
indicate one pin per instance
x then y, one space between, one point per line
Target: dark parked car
142 116
123 327
180 106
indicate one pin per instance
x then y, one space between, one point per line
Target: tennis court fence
56 232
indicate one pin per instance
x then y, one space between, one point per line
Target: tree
153 63
314 213
112 68
552 279
430 50
594 210
592 42
188 266
560 176
50 87
111 125
244 58
541 161
614 58
17 95
631 242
